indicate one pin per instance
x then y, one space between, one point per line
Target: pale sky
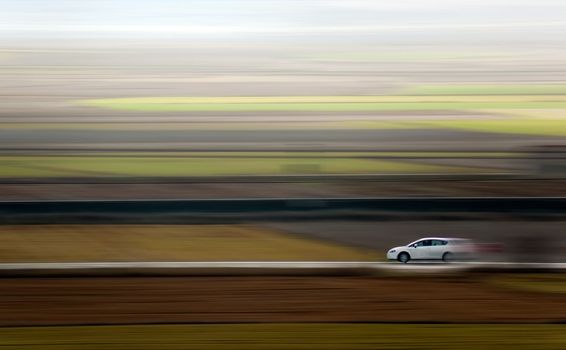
186 18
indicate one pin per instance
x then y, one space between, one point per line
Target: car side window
424 243
436 242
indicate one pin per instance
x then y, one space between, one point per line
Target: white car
433 248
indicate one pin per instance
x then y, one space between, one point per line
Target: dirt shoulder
103 243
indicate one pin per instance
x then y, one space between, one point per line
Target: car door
421 249
437 248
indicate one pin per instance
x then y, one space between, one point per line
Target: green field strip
257 126
318 99
512 112
19 166
288 337
526 126
327 103
325 107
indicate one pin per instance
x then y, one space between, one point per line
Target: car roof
442 238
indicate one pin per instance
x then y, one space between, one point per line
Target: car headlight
392 251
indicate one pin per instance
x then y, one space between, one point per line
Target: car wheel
447 257
404 258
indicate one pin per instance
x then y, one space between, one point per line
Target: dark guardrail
532 205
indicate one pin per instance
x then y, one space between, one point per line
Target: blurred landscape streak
306 101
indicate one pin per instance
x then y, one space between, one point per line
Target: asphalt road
267 268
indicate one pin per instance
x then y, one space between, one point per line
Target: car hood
398 248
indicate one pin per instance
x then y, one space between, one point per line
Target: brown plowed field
51 301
